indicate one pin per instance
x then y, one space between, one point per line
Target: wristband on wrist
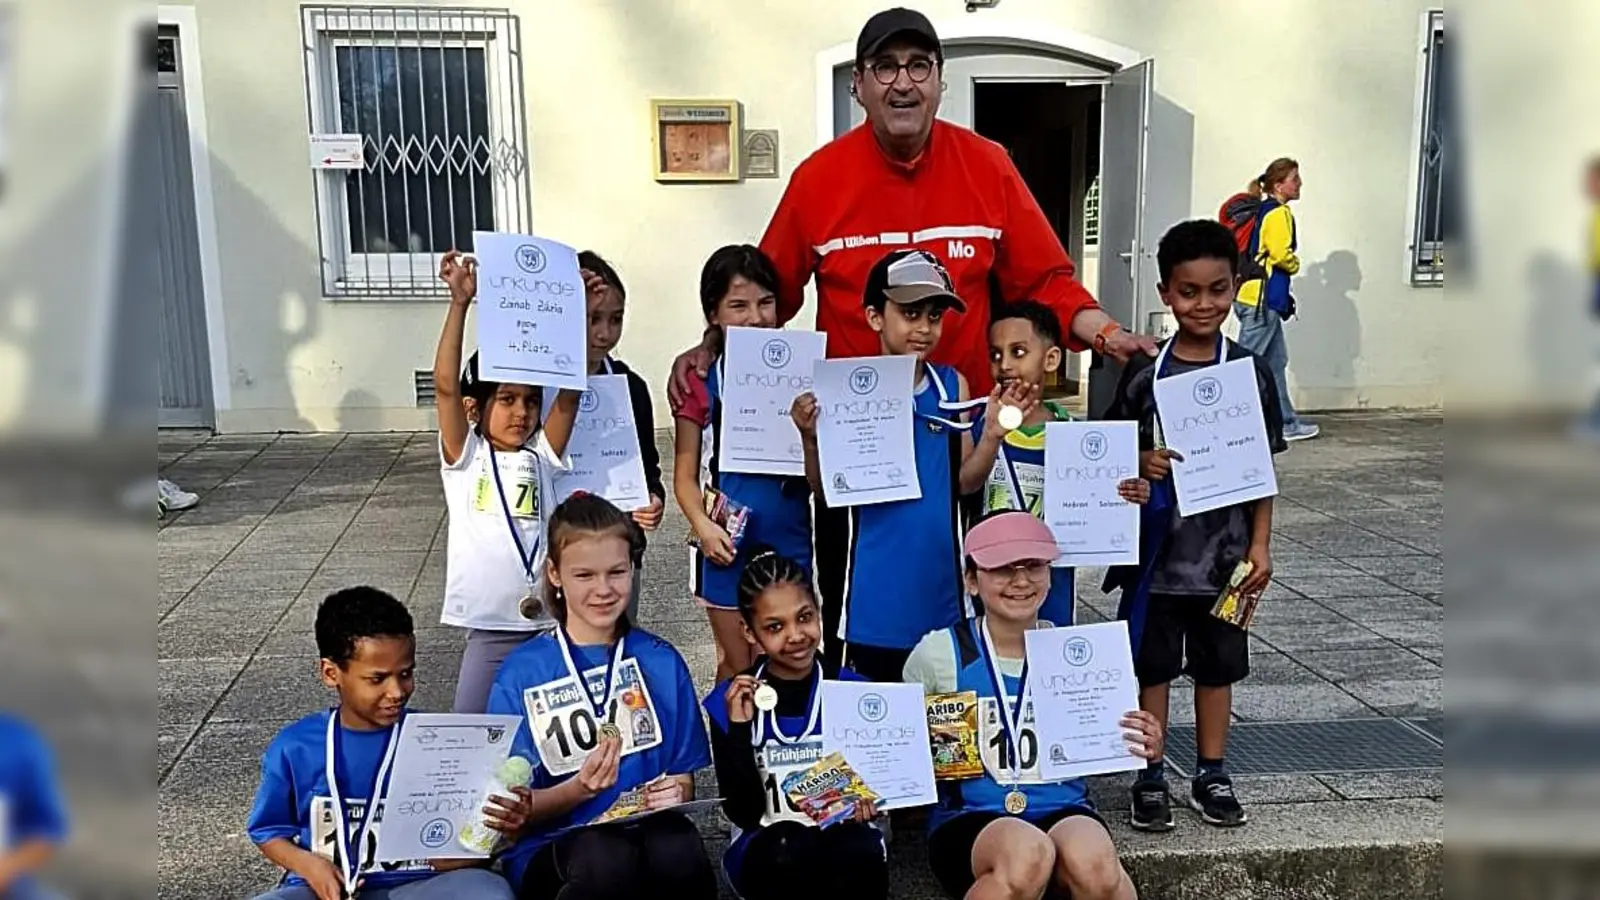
1104 335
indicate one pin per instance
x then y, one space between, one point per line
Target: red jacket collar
899 167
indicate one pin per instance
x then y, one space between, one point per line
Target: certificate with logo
532 311
865 445
764 369
441 767
1082 684
882 731
1213 417
1084 462
604 448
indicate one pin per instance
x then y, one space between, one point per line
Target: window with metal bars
1091 214
1437 204
435 96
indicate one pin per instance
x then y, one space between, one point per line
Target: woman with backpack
1265 226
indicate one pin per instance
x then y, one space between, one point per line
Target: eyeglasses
887 70
1033 570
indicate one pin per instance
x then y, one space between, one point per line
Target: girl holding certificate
613 719
767 723
1007 832
729 512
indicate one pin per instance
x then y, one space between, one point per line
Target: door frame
1019 34
205 214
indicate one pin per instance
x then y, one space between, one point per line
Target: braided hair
768 568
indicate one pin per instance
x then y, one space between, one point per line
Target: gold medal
609 731
1016 802
766 697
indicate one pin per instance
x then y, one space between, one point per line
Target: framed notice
695 140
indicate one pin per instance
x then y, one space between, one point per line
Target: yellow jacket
1277 242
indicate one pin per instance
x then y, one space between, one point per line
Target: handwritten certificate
532 311
1213 417
865 446
1082 683
441 768
764 370
882 730
1084 462
604 448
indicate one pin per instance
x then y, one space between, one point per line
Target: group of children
543 584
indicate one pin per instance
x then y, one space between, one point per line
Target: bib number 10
1028 744
575 729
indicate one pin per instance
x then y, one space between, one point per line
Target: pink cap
1008 538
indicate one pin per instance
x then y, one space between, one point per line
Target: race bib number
1000 493
324 836
564 726
996 750
775 762
521 482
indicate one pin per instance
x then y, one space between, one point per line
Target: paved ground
1352 631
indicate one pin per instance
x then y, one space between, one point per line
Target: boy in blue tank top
902 560
766 723
1006 466
1008 832
319 808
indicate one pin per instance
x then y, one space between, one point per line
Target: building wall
1330 83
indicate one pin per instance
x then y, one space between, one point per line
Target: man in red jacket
905 178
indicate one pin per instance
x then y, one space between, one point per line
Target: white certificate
865 445
441 768
763 371
532 311
1084 462
1213 417
882 730
604 447
1082 683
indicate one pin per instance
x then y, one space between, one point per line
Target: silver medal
766 697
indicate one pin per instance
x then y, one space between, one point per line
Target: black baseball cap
897 22
907 277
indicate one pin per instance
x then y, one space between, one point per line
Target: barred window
1437 171
1091 214
436 98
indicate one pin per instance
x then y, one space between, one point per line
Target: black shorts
877 663
950 845
1182 637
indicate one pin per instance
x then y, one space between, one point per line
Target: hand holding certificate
882 731
1213 418
764 369
1082 682
1084 463
865 445
532 311
436 786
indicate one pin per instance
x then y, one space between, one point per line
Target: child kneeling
609 710
1007 832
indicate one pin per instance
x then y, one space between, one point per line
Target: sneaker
1150 808
1301 431
1212 797
174 498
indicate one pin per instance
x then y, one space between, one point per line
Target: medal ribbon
812 719
951 406
1010 715
349 859
611 673
527 557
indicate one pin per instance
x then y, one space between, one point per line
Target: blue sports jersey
293 800
984 793
30 798
1016 481
903 558
780 512
662 709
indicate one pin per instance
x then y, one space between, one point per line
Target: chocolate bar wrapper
732 515
829 791
628 804
1232 606
953 732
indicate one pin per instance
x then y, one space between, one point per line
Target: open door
1146 178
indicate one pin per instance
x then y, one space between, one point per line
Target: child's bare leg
734 653
1153 700
1086 861
1212 708
1012 860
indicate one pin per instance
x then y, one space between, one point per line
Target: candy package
953 732
829 791
732 515
1233 606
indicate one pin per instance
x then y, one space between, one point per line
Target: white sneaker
1303 431
174 498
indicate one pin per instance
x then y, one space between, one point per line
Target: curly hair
356 614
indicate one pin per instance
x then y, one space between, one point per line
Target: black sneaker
1212 797
1150 808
